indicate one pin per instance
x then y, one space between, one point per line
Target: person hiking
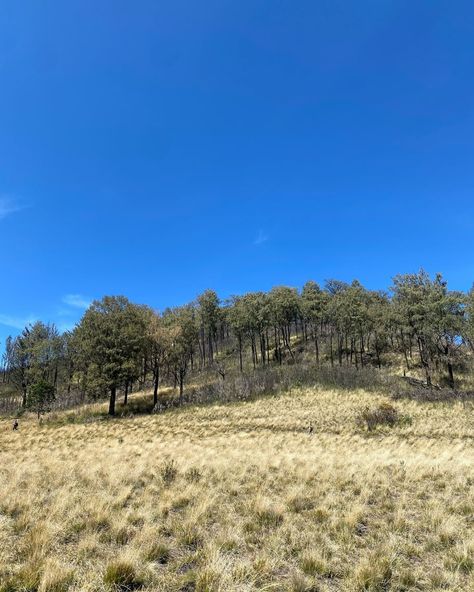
15 425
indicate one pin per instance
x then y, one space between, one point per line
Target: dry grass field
240 498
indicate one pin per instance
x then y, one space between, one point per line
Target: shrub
169 472
383 414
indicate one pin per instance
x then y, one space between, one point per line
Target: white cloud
8 206
261 238
16 322
76 301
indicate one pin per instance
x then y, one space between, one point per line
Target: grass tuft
122 575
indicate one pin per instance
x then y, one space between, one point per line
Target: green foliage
110 341
428 313
40 397
344 326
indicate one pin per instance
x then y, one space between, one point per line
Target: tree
255 309
434 316
35 355
284 307
469 326
210 316
41 396
238 323
379 323
111 338
159 343
313 309
183 335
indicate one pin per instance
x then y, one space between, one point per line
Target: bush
169 472
383 414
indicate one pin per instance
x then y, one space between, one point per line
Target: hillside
239 497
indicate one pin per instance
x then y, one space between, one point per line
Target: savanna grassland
240 497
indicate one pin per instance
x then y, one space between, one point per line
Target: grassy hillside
239 497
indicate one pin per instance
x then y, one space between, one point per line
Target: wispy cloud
16 322
261 238
8 206
76 301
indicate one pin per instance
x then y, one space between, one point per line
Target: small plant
159 553
193 475
298 582
168 472
314 564
56 578
383 414
300 504
268 517
27 578
190 537
374 573
121 575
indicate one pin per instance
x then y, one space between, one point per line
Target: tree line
119 345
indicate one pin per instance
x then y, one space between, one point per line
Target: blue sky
155 149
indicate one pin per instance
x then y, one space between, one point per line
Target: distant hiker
15 425
310 429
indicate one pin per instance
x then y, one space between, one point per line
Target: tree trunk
181 388
156 386
424 361
113 396
240 354
451 375
125 398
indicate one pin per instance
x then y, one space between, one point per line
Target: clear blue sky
155 149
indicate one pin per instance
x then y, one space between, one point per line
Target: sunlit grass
239 497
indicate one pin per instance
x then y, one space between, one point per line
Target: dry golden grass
240 498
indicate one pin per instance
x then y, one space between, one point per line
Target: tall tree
313 309
111 337
210 316
159 342
183 335
433 315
